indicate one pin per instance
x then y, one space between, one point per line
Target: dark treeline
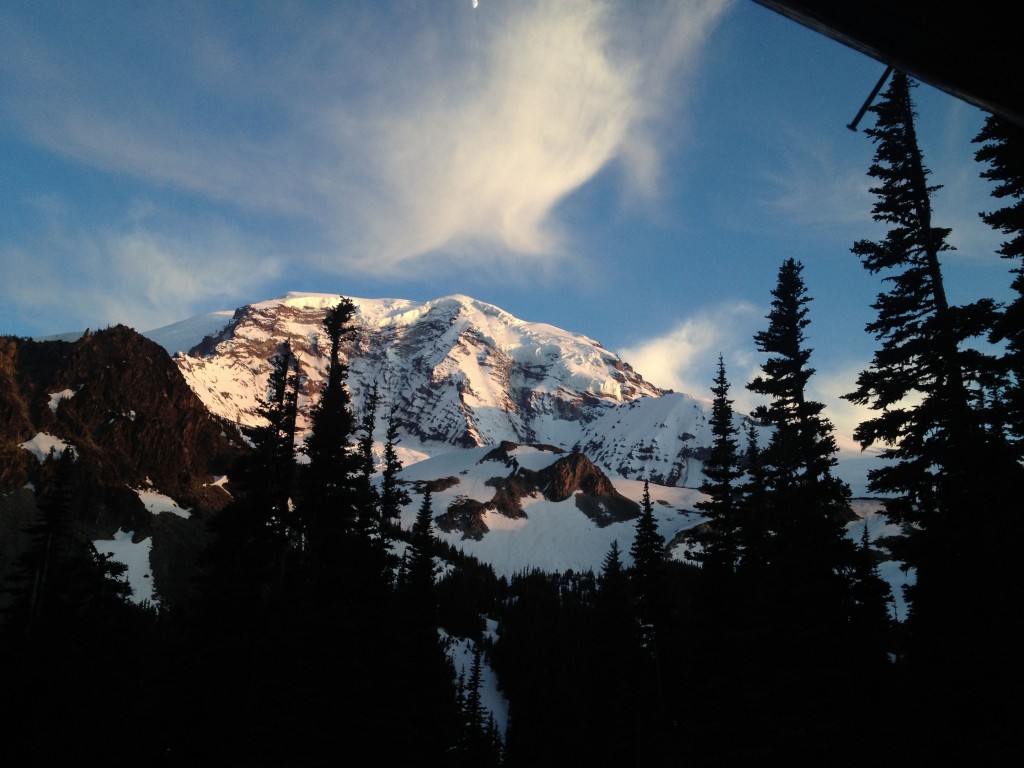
311 633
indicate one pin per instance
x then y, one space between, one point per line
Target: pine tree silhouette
804 503
721 548
1003 151
954 480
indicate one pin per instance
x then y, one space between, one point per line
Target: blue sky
632 171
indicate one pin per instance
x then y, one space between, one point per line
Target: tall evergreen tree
370 522
954 481
481 742
796 580
647 549
616 648
267 476
648 553
938 450
920 332
1003 150
612 573
369 512
331 488
420 566
804 502
393 495
721 548
258 536
871 621
753 529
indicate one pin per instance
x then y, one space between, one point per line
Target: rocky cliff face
15 422
558 478
121 404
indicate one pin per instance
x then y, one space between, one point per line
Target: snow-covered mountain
459 373
486 402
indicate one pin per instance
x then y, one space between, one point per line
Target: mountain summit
458 373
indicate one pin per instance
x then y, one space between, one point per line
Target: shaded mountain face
132 421
462 373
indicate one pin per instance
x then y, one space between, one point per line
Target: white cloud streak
814 190
396 132
145 275
686 357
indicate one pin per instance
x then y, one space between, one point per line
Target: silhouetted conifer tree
648 577
648 553
955 482
920 333
721 547
1003 150
796 573
648 547
258 535
481 741
804 503
475 712
266 477
871 620
420 568
393 495
332 495
616 644
369 507
753 528
612 572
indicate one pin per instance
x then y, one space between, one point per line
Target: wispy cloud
686 357
395 133
144 275
813 189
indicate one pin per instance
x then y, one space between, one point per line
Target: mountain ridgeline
457 372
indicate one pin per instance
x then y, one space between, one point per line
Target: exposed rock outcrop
571 475
133 422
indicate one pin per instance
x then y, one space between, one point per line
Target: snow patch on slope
56 397
157 503
136 556
553 536
460 651
42 444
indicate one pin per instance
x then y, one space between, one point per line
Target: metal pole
878 86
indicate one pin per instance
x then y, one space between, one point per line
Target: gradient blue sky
632 171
